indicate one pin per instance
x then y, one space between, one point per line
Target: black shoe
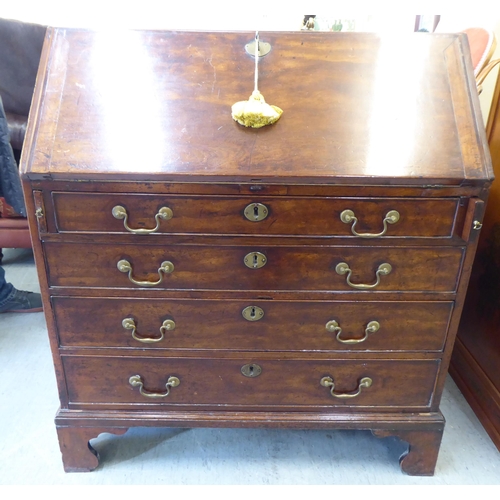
23 302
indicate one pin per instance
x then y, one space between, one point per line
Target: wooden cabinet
309 274
475 365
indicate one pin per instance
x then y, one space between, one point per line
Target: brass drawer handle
371 327
120 212
364 383
343 268
124 266
129 324
136 381
347 216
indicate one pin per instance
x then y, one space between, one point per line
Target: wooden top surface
358 108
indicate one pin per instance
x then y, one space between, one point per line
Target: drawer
434 269
220 382
270 325
433 218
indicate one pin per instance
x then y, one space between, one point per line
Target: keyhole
255 212
255 260
252 313
251 370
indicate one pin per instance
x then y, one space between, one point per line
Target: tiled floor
29 452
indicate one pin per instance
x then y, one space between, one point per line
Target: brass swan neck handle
343 268
391 217
129 324
364 383
124 266
136 381
333 326
164 213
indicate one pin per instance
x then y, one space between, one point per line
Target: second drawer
257 267
252 325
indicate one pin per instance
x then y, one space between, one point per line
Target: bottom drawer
291 384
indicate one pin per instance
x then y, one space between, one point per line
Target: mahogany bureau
309 274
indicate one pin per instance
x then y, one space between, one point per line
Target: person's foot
23 302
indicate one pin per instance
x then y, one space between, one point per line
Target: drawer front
434 269
270 325
80 212
220 382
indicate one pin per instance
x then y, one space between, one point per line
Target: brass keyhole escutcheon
255 260
252 313
263 49
251 370
256 212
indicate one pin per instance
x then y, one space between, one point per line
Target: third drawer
253 325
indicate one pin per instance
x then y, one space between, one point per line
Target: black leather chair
20 50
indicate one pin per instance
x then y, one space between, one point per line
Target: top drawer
247 215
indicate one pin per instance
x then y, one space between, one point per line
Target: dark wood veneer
286 216
475 365
433 269
286 325
213 382
348 139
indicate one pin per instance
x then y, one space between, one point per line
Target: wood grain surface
371 124
284 326
212 382
356 106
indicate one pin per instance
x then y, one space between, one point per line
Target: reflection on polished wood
228 239
375 108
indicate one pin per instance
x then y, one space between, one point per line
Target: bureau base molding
422 431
